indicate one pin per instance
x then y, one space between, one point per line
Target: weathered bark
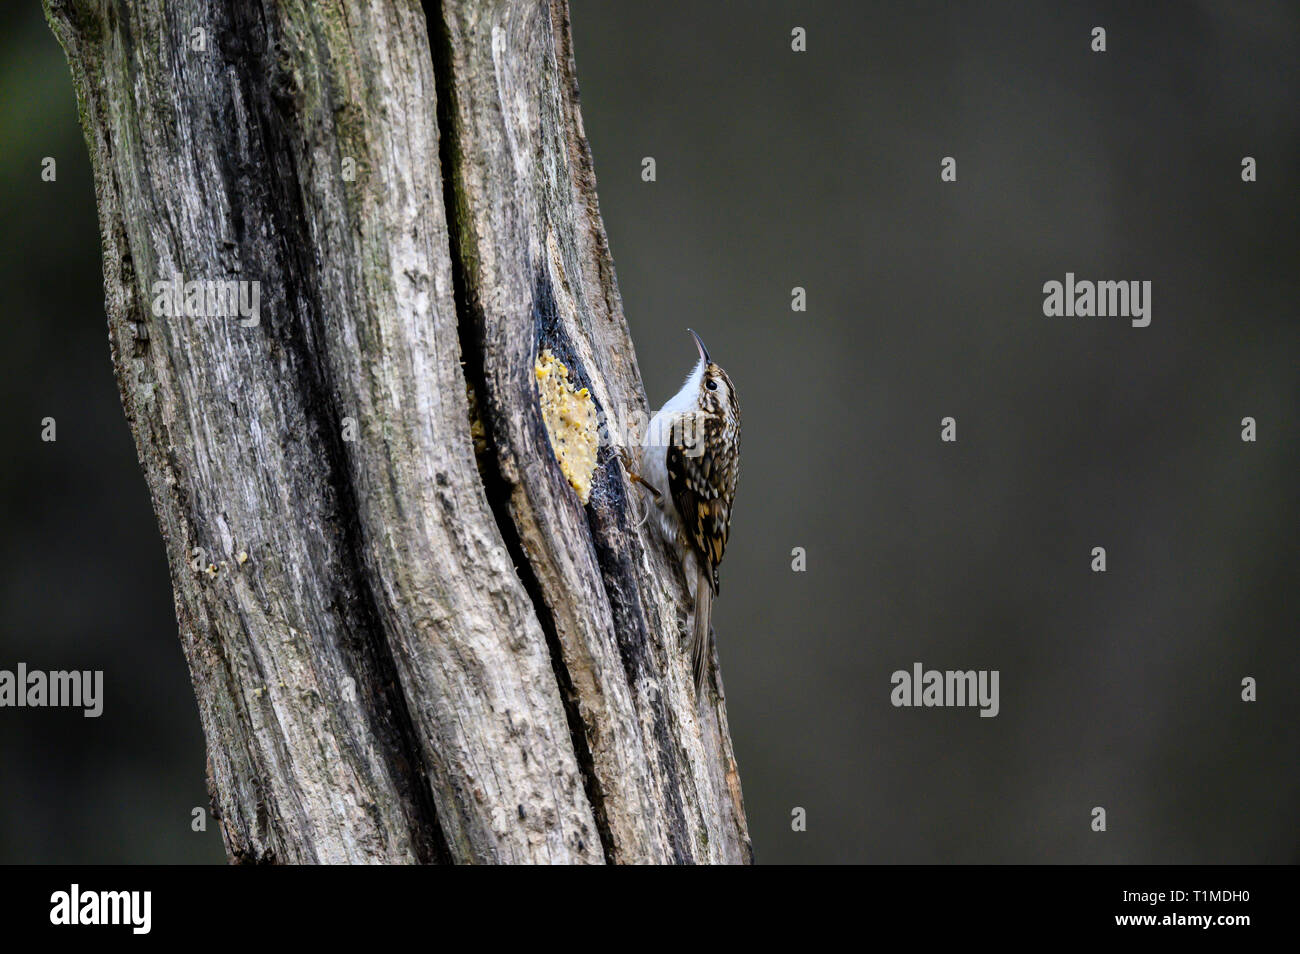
424 655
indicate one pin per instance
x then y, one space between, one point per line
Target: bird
690 462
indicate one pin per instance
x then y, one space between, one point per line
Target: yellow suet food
570 418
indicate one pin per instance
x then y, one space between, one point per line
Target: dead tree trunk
402 650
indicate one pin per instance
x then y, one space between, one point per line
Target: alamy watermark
177 298
77 907
37 689
1103 299
950 688
634 429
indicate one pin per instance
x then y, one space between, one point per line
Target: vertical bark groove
276 121
470 324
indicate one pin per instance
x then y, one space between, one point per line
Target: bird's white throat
687 399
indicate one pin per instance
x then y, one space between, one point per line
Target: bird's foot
636 478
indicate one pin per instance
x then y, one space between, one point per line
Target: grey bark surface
403 651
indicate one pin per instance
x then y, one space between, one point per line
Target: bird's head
716 394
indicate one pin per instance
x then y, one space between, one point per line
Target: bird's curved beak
704 352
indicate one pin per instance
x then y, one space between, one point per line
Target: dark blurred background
821 169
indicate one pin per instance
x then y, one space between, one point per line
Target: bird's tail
702 632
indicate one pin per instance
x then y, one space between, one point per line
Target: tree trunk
403 650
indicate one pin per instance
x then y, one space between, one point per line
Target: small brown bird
692 447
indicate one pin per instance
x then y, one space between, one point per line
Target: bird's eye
712 385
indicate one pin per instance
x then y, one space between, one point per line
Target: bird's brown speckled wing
703 488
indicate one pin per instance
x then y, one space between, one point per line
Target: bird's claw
636 478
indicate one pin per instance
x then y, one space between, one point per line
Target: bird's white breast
654 449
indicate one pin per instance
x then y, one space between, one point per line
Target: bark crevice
470 325
266 95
